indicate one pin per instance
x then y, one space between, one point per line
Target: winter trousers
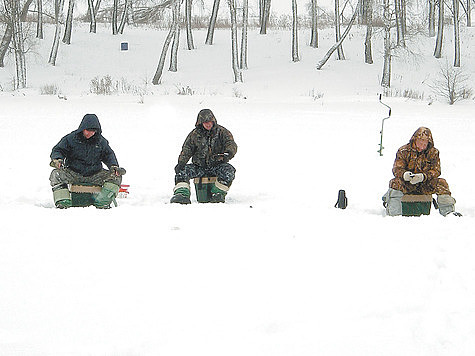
437 186
224 172
59 177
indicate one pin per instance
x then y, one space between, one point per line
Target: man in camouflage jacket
210 147
417 170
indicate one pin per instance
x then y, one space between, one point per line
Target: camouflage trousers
224 172
59 177
437 186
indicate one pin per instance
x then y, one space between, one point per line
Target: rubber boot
106 196
446 204
218 192
181 193
392 202
62 197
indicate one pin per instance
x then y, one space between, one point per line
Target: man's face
208 125
88 133
421 144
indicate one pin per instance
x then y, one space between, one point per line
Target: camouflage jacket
204 146
409 159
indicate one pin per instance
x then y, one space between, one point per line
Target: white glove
417 178
407 176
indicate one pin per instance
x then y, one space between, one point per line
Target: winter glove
179 167
417 178
56 163
222 157
407 176
117 171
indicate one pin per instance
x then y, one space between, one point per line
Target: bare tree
386 79
245 20
451 84
115 12
13 16
69 23
468 11
400 22
92 10
176 39
58 13
234 44
39 20
295 40
368 4
456 33
432 18
342 38
340 53
264 15
212 23
125 13
171 33
440 31
189 33
314 33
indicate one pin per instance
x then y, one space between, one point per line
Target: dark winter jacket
206 147
85 156
409 159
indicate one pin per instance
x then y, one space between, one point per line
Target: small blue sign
124 46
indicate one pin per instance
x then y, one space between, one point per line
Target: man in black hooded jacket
210 147
78 158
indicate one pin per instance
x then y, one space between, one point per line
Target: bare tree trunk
92 14
431 18
234 44
123 18
398 9
39 21
189 33
341 54
115 11
7 38
440 31
130 13
13 16
58 13
69 23
369 31
245 20
342 38
176 38
212 23
161 62
386 79
295 32
314 33
469 13
265 15
456 33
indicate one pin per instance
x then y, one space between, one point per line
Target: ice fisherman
417 171
211 147
78 158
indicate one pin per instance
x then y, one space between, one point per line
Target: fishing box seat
203 187
416 205
82 194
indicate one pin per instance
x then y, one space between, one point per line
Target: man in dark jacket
78 158
210 146
417 171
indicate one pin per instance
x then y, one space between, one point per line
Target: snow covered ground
277 270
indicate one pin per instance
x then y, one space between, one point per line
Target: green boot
181 193
62 198
106 196
218 192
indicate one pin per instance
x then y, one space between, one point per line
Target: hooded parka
85 156
426 162
206 146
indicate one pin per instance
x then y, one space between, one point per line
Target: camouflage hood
205 115
423 133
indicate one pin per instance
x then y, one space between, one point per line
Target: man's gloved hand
179 167
117 171
56 163
417 178
407 176
222 157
